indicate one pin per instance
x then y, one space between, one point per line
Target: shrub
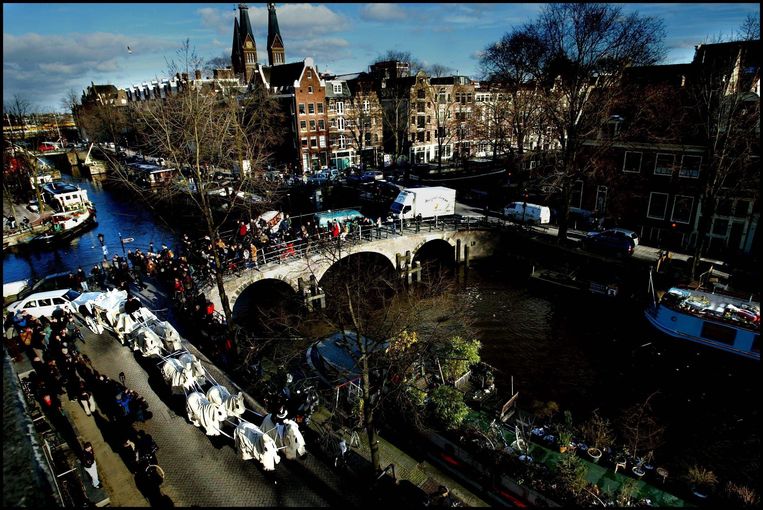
446 405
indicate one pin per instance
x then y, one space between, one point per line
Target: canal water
582 353
116 214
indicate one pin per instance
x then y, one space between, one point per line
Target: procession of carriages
209 405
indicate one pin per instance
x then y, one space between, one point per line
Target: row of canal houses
652 183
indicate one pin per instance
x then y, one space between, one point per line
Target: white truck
523 212
430 202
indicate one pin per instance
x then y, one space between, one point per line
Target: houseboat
65 226
710 318
149 175
65 197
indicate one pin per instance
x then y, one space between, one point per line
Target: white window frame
340 107
341 141
640 160
337 88
322 141
681 172
649 206
313 142
309 89
340 123
366 105
301 109
672 166
673 211
313 108
309 74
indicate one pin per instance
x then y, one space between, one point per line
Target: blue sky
49 49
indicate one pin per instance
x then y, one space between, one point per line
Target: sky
49 49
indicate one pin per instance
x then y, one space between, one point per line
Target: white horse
109 305
286 436
177 375
234 405
192 363
127 323
168 335
202 413
147 342
252 443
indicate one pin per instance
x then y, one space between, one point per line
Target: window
322 141
304 142
420 136
309 89
59 301
682 206
309 74
301 108
340 108
333 123
429 136
313 142
720 227
690 166
320 107
31 304
312 125
340 123
44 302
420 94
337 88
723 208
718 332
663 164
368 139
742 208
311 109
341 141
302 124
420 107
331 106
420 122
366 105
321 125
632 162
658 204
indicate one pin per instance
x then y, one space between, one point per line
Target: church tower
244 52
276 52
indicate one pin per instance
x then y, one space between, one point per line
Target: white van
43 304
522 212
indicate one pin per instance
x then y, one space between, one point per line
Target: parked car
47 283
371 175
611 242
628 233
45 147
43 304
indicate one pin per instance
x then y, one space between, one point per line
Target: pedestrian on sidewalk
86 399
88 462
122 378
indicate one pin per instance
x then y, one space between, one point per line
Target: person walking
88 462
82 280
86 399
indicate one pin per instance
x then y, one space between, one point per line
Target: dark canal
581 353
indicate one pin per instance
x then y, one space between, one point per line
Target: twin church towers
244 51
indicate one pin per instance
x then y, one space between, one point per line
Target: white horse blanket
234 405
252 443
287 437
169 335
202 413
193 364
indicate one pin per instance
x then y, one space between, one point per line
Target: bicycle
148 465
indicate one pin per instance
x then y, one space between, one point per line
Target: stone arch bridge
471 243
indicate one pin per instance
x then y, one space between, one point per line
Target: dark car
611 242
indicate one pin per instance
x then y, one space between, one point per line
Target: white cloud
382 12
219 20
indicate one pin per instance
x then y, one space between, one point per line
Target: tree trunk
707 210
368 418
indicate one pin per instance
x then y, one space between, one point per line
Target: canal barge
715 319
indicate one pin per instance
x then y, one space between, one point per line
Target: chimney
197 74
185 76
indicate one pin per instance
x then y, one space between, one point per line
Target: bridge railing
288 250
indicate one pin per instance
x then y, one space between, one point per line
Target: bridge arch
373 261
262 295
439 250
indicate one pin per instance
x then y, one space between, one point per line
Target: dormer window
337 88
309 74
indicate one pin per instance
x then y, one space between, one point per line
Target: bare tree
726 113
363 114
415 65
641 430
200 130
750 28
18 111
577 49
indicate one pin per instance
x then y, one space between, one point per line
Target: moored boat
711 318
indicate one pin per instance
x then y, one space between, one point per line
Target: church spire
276 51
235 55
246 43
